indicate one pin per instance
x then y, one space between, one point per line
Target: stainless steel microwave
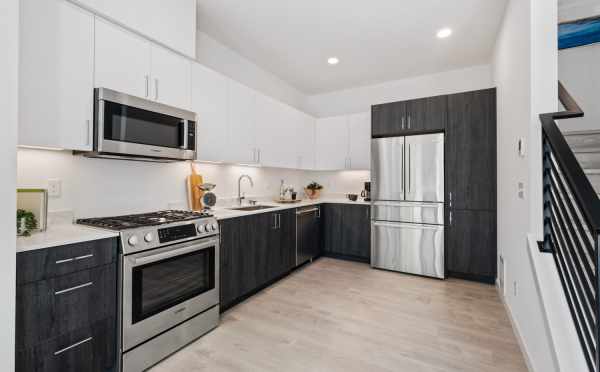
129 127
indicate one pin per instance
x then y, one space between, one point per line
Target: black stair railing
572 228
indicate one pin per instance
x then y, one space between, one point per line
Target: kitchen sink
251 208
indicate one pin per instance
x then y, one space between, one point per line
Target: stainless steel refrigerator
407 204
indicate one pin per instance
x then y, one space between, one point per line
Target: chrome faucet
240 196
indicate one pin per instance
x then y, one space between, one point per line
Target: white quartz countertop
61 234
69 233
222 213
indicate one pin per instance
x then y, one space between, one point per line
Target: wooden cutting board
195 195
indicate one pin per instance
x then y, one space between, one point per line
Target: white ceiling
376 40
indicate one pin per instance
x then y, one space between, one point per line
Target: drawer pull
74 259
73 288
72 346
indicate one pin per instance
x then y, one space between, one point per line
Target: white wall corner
566 349
9 44
515 329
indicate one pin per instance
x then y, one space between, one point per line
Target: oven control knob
215 226
148 237
200 229
133 240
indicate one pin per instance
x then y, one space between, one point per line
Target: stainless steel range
169 282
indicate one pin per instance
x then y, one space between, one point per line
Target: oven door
127 125
166 286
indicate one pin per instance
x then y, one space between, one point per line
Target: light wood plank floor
341 316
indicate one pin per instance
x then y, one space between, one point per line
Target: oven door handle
138 261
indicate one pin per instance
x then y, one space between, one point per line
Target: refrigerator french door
407 187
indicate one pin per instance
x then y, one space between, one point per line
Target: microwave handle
185 134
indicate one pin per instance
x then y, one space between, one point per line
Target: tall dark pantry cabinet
469 122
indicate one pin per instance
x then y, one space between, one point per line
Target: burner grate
140 220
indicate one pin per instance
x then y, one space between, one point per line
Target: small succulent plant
314 186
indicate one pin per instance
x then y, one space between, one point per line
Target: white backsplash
102 187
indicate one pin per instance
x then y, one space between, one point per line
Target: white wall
578 71
221 58
101 187
360 99
9 30
569 10
524 66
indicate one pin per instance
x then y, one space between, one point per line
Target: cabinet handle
74 259
259 155
307 211
318 212
403 122
275 221
156 89
279 220
147 77
450 218
87 132
450 199
408 121
73 346
63 291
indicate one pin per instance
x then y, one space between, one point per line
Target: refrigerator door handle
402 166
409 167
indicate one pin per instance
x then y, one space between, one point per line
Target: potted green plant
313 190
26 222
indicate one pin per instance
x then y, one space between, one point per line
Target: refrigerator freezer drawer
409 248
409 212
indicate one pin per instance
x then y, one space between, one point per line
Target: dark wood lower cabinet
90 349
66 308
471 245
255 250
56 306
347 231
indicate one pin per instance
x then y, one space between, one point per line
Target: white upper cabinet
270 132
123 60
56 75
171 78
332 143
209 101
344 142
172 23
305 139
130 64
284 135
360 141
242 118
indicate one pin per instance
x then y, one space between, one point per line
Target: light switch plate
54 187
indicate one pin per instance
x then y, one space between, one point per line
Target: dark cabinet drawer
52 262
88 349
49 308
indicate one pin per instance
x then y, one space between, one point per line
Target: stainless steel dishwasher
308 234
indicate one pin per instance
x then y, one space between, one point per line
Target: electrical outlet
521 190
515 288
54 187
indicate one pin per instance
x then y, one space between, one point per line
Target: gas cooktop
133 221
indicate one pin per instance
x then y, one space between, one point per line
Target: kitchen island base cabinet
347 232
255 251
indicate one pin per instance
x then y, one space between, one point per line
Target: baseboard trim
513 324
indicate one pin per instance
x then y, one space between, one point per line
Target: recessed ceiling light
333 61
444 33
